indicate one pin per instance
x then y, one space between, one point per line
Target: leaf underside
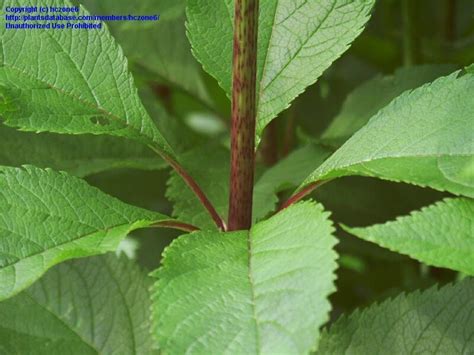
48 217
367 99
78 155
423 137
171 60
429 322
297 41
97 305
71 82
440 235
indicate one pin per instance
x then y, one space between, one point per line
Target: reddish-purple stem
244 72
177 225
194 187
301 194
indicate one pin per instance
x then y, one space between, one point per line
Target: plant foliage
77 119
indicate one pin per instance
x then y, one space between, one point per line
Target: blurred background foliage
406 43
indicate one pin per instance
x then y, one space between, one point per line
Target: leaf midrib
63 243
129 316
323 20
252 290
58 44
264 67
96 230
425 253
327 170
61 321
50 214
100 110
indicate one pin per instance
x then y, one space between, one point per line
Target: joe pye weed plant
255 262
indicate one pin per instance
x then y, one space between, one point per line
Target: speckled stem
244 72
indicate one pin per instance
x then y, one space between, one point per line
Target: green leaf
97 305
429 322
162 47
287 174
296 43
86 88
361 201
424 137
48 217
367 99
439 235
247 292
78 155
